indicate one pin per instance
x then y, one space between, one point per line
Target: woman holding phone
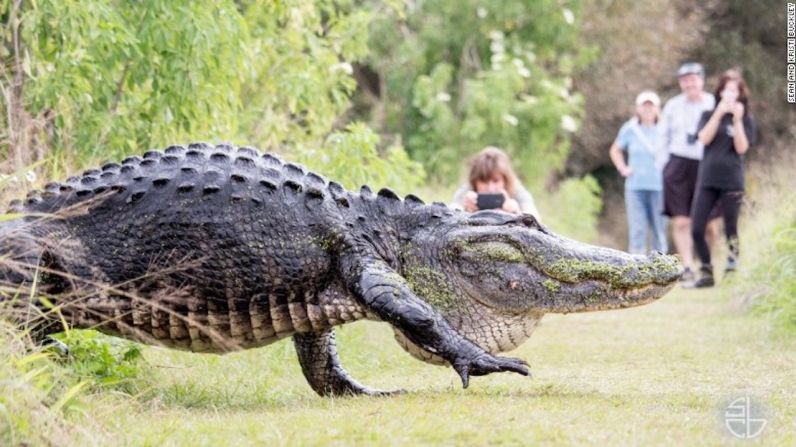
727 132
492 184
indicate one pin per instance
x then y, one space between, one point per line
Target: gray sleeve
665 126
457 202
526 202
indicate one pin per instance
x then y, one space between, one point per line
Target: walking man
680 119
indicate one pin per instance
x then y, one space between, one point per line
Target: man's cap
648 95
691 68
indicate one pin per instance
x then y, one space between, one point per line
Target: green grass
653 375
768 250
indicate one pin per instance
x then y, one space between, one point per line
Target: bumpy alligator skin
218 248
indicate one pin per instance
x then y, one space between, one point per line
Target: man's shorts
679 186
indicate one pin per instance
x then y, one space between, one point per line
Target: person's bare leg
683 242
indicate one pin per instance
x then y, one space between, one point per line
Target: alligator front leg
387 294
317 353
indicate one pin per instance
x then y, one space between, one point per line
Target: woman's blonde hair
491 160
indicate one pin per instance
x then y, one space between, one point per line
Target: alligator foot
51 344
317 352
485 363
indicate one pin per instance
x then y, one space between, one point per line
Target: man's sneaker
705 277
688 275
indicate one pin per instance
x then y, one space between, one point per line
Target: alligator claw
486 364
59 347
382 393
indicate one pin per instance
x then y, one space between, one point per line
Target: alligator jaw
598 295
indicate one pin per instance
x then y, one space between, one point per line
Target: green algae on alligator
217 248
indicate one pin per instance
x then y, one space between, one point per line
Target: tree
449 77
103 78
455 76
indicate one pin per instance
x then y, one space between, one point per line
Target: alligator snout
619 269
598 278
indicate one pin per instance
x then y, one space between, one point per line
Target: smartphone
490 201
729 95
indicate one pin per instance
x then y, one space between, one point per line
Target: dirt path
660 374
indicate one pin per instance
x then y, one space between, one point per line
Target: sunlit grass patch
767 280
41 401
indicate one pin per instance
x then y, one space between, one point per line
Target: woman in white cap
641 139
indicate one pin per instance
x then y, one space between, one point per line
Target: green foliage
106 78
299 69
776 278
766 280
122 76
457 76
573 208
106 362
37 396
358 143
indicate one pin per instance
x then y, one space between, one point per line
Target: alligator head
493 275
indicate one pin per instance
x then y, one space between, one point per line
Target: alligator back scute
199 168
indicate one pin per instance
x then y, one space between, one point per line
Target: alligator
216 248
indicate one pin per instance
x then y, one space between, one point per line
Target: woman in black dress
727 132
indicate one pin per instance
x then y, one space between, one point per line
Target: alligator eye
491 217
530 221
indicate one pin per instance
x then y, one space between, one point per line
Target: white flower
530 99
568 123
296 17
481 12
497 47
524 72
531 56
30 176
497 58
511 119
569 16
496 35
443 97
345 67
